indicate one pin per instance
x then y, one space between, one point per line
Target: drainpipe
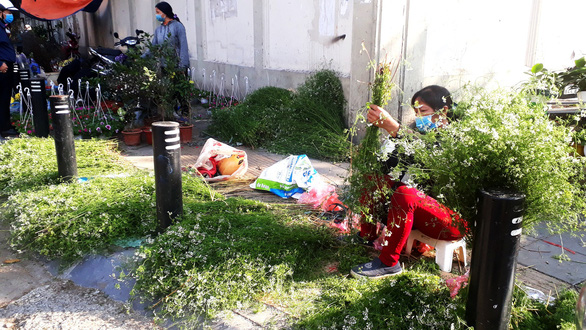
403 56
377 35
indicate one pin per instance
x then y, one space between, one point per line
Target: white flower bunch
503 141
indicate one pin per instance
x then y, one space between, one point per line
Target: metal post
494 259
167 159
39 103
63 133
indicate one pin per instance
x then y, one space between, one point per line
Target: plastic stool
444 250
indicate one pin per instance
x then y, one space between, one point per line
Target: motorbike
104 58
100 62
71 48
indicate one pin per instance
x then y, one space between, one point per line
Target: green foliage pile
253 122
225 254
69 221
234 253
310 121
32 162
411 301
532 314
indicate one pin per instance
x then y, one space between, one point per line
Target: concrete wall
237 46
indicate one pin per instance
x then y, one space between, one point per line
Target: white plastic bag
217 151
288 177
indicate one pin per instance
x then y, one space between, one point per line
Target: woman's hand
3 68
379 117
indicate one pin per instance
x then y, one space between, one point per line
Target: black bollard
24 77
63 133
494 259
16 77
39 104
167 158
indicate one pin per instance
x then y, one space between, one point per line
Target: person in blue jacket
7 59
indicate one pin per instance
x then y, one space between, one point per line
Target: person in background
7 59
409 208
172 30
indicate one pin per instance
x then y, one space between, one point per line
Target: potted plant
575 77
148 134
131 133
542 83
154 82
579 140
169 89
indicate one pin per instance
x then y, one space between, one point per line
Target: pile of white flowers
503 141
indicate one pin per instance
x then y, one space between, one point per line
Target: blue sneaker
375 269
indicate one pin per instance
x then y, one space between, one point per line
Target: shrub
310 121
254 121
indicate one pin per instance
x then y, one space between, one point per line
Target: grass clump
309 121
32 162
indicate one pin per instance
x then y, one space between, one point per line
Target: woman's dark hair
435 96
167 10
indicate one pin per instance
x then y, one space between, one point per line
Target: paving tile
576 243
537 280
539 230
540 256
526 240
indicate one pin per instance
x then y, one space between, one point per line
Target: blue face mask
424 124
160 18
9 18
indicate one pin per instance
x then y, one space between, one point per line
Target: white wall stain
223 8
327 18
344 7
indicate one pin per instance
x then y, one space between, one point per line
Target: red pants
412 209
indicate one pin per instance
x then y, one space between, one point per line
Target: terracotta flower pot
579 149
185 133
148 135
132 137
